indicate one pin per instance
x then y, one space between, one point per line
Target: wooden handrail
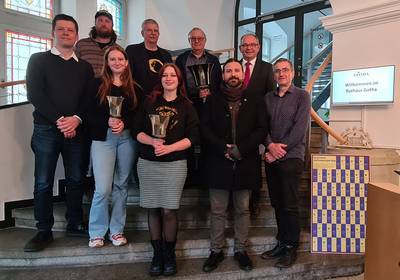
12 83
314 114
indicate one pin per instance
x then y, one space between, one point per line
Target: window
19 48
41 8
114 7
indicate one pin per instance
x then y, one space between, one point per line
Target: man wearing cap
147 58
101 36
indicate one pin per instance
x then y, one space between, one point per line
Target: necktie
246 75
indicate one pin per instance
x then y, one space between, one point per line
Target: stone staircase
71 258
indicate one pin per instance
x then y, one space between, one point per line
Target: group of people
72 88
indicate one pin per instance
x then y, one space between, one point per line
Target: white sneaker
118 239
97 242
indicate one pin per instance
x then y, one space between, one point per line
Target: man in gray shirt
288 110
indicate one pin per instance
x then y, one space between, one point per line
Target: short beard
236 85
103 35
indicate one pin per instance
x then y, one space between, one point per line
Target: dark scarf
232 94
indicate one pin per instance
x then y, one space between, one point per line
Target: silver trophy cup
202 75
159 125
115 105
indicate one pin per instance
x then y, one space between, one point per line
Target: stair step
307 266
75 251
189 216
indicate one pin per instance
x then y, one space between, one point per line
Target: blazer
262 79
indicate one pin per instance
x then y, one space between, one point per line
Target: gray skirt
161 183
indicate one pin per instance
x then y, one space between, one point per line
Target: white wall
177 17
16 160
365 35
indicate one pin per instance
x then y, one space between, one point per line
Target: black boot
169 258
156 267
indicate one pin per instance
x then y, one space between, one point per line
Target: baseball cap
103 13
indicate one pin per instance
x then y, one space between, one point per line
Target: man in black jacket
232 125
198 55
258 80
56 83
147 58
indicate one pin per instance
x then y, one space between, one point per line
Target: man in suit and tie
258 80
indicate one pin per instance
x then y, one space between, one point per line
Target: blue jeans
112 165
47 143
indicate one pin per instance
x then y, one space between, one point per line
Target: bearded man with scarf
232 125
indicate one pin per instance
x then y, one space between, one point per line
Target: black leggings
163 224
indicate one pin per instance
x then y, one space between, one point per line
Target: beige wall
365 35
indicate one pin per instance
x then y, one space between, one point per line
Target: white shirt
57 52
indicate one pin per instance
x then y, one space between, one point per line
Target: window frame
20 22
120 33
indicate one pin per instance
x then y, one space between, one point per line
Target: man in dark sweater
56 84
288 110
147 58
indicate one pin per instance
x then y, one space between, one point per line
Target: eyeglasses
193 39
251 45
283 71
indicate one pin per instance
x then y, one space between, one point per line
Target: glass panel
268 6
278 39
247 9
244 29
315 38
41 8
114 7
19 49
315 49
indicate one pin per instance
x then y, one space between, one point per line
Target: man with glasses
147 58
198 55
288 110
258 80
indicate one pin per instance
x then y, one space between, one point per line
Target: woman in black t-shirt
162 164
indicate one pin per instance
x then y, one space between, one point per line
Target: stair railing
12 83
314 114
311 63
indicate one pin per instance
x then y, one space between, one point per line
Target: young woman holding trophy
166 126
111 105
